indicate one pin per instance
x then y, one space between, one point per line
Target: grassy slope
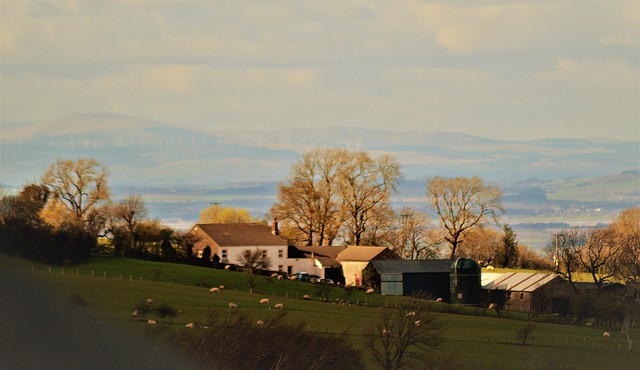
484 341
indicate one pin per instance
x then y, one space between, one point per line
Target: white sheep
492 306
490 268
227 267
386 332
370 290
233 305
279 277
151 322
190 325
306 297
150 301
260 323
606 335
293 278
417 322
264 301
274 275
439 300
411 314
279 306
135 314
214 290
222 287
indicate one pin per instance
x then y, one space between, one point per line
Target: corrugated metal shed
520 281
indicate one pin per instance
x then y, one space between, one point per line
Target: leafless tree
463 203
130 211
415 238
627 234
599 256
366 184
480 243
255 259
78 185
568 244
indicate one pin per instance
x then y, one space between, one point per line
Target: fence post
105 273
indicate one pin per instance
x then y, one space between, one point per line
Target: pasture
481 342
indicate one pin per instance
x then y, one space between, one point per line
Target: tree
480 243
401 333
415 238
310 198
599 256
78 185
463 203
565 249
627 233
130 211
255 259
525 332
365 184
217 214
507 253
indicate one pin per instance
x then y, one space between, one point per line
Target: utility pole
556 258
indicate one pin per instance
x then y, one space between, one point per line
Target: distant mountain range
142 152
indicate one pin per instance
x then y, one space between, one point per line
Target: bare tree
310 197
565 248
131 211
415 238
400 333
365 184
255 259
480 243
78 185
599 256
627 234
463 203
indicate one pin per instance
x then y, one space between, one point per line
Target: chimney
274 227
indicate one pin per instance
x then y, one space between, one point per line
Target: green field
483 342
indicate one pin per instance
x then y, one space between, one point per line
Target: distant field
485 342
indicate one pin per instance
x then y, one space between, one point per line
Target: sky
508 70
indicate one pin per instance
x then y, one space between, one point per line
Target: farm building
533 292
222 242
354 259
416 277
318 260
465 281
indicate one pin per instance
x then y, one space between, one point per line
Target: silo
465 282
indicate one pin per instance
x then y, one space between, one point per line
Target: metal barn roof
520 281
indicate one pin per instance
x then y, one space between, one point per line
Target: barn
425 278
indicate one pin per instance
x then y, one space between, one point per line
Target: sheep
306 297
227 267
417 323
386 332
264 301
135 314
370 290
410 314
274 275
292 278
260 323
150 301
233 305
222 287
190 325
490 268
279 306
606 335
492 306
439 300
151 322
214 290
279 277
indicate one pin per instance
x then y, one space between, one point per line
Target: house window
264 254
280 253
224 254
199 254
280 267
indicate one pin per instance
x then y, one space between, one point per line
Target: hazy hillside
142 152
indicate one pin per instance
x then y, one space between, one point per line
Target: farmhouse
225 242
533 292
354 259
428 278
318 260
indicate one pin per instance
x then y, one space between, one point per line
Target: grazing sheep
260 323
150 301
492 306
274 275
370 290
264 301
410 314
386 332
417 323
279 277
490 268
606 335
439 300
151 322
279 306
214 290
135 314
306 297
190 325
233 305
293 278
222 287
227 267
